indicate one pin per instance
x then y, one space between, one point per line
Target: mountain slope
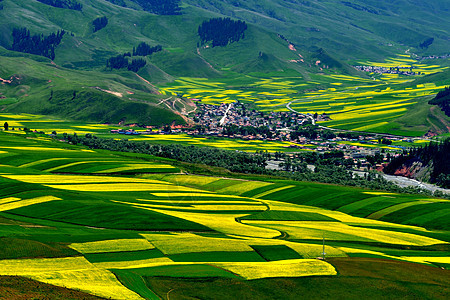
355 28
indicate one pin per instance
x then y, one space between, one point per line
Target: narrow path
225 115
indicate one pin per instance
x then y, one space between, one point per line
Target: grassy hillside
39 86
125 29
346 28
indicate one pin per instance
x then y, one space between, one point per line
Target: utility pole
323 248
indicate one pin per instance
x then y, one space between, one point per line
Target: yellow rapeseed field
26 202
189 242
195 195
341 231
134 264
70 272
112 246
222 222
129 167
122 187
201 207
64 179
281 268
243 187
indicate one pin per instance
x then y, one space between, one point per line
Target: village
239 121
401 70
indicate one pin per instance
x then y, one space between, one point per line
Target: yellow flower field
30 148
177 243
202 207
281 268
65 179
195 195
38 162
129 167
70 272
222 222
183 201
122 187
341 231
26 202
112 246
243 187
142 263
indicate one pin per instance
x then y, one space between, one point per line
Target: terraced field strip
190 242
71 179
112 246
260 195
271 269
349 208
282 268
131 167
183 202
191 179
195 195
4 206
42 161
30 148
222 222
315 230
203 207
121 187
381 213
243 187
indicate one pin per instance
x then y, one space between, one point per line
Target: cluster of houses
239 114
391 70
126 132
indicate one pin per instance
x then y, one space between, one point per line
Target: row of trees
99 23
436 155
442 99
69 4
234 161
312 132
221 31
144 49
427 43
330 167
122 62
158 7
37 44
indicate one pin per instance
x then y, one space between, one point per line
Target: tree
221 31
6 126
99 23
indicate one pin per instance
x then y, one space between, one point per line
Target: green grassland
132 236
356 29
